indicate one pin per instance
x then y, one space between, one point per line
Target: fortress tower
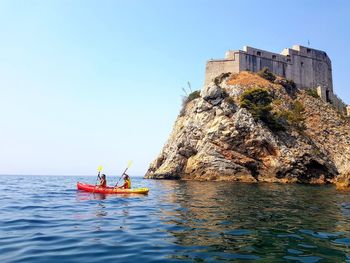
308 68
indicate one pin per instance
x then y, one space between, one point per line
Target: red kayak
110 190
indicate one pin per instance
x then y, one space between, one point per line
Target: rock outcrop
214 138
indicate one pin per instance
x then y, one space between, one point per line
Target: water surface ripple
45 219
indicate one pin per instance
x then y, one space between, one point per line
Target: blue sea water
45 219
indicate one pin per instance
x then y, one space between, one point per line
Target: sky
86 83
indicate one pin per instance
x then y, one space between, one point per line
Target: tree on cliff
258 102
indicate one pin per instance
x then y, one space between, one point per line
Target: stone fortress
308 68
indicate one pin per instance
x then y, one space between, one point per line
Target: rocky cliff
294 137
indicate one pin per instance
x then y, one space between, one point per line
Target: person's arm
102 182
121 187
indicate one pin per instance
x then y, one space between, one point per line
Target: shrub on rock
258 102
266 74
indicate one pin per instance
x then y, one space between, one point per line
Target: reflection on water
101 210
266 221
50 221
83 196
251 221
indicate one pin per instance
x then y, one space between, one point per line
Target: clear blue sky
84 83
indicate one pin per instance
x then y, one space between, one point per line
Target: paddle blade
129 164
99 169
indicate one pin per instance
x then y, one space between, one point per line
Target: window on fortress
289 60
308 50
273 56
258 53
302 63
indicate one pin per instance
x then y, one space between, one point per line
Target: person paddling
127 182
103 181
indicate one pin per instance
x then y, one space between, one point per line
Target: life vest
127 184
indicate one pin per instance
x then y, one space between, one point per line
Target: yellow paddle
99 170
129 165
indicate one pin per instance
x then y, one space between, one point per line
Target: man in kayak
103 181
127 182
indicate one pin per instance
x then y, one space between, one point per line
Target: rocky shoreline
294 137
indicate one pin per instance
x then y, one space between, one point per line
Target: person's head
103 176
126 177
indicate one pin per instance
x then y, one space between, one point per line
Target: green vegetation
194 95
221 77
186 99
290 83
229 100
258 102
312 93
294 116
266 74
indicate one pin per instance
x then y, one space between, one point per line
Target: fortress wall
308 68
332 98
322 93
311 67
255 63
265 54
348 110
302 72
256 59
215 67
322 74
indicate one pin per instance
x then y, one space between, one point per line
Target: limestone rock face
216 139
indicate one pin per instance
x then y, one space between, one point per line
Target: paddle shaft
121 176
98 177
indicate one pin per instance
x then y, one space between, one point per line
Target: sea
46 219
